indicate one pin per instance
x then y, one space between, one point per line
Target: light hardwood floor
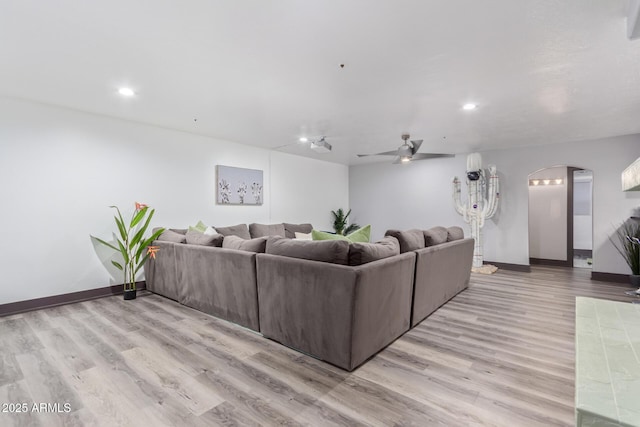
500 353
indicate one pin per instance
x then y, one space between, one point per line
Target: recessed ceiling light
469 107
126 91
303 139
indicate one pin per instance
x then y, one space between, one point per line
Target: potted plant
132 244
340 222
627 243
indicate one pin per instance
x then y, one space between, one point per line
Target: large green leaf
123 251
138 217
138 236
121 229
146 257
106 243
146 243
117 264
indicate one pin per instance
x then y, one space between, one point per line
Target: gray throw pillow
291 229
171 236
240 244
239 230
196 238
435 236
410 240
362 253
454 233
332 251
263 230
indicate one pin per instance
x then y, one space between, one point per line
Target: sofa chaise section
220 282
340 314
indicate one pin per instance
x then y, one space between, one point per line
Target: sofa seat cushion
454 233
362 253
264 230
172 236
409 240
435 236
250 245
194 237
291 229
332 251
239 230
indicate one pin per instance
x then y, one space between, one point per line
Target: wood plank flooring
499 354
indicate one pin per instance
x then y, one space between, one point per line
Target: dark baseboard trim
513 267
55 300
551 262
611 277
583 252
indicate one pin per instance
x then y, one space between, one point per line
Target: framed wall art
238 186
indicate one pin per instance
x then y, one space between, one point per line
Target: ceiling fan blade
424 156
386 153
396 161
416 146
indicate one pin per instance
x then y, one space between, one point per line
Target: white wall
548 215
60 170
390 196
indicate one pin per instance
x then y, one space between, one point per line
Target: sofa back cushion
454 233
194 237
332 251
291 229
263 230
171 236
239 230
362 253
250 245
409 240
435 236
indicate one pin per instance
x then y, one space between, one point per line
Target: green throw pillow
200 227
361 235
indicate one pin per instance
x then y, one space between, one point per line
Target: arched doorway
560 217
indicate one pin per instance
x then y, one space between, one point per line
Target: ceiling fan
408 151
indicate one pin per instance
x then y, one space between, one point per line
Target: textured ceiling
265 72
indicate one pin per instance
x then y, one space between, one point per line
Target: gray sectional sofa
339 302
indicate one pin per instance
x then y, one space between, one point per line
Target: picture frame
239 186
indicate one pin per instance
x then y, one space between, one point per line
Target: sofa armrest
337 313
161 273
442 271
219 281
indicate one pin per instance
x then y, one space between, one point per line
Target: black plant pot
129 294
635 280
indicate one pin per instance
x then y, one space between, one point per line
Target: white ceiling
265 72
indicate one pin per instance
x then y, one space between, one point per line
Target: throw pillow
303 236
240 244
210 231
291 229
194 237
410 240
454 233
361 235
200 227
172 236
362 253
263 230
332 251
239 230
435 236
323 235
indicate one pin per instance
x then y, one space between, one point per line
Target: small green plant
340 222
132 244
625 241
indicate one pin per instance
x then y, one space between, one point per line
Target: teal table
607 363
